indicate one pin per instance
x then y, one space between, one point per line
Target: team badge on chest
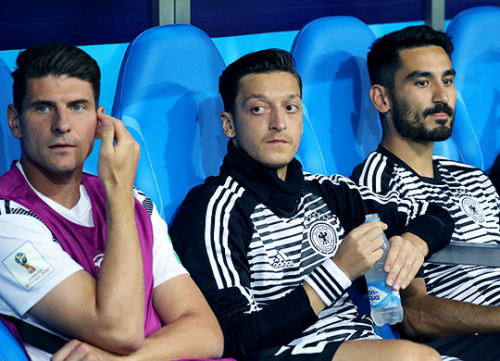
473 209
323 238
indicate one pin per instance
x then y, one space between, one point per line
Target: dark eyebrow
419 74
79 101
427 74
37 103
49 103
264 98
450 72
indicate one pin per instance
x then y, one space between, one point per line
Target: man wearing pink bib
87 258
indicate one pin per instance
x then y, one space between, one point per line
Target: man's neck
417 155
62 188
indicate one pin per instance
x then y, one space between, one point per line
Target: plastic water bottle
385 303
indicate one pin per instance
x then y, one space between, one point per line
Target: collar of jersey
282 197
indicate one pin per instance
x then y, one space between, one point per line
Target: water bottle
385 303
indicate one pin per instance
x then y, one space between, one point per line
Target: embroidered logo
281 260
98 260
473 209
323 238
27 265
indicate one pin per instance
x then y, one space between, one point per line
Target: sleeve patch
27 265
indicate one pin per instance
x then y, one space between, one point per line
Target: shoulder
461 171
332 181
16 215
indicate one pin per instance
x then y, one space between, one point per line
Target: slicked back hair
384 56
264 61
54 59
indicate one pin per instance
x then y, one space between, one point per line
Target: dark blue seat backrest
9 147
477 61
168 88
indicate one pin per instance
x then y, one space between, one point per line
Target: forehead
428 58
275 84
61 87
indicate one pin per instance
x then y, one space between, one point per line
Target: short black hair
54 59
263 61
384 56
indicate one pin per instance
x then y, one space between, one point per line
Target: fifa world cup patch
27 265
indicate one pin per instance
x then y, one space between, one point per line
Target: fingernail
389 281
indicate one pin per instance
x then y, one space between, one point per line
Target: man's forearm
426 315
120 287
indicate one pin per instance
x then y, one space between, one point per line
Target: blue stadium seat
331 54
168 88
10 349
9 147
477 61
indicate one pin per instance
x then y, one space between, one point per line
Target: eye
448 81
78 107
258 109
421 83
42 108
292 108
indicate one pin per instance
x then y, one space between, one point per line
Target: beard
415 129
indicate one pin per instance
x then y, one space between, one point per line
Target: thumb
107 133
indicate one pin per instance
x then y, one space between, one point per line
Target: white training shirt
24 233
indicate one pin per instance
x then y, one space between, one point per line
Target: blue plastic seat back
341 126
9 147
10 349
331 54
168 87
476 60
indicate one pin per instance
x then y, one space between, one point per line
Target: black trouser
475 347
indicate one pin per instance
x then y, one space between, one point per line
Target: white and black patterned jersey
250 240
470 198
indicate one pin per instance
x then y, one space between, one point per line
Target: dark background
84 22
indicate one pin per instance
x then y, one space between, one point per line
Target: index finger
65 351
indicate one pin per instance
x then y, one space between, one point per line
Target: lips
61 146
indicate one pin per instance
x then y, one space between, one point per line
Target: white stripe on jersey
479 285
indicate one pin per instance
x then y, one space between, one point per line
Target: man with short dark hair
85 257
274 249
454 308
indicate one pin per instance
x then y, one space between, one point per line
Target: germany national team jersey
470 198
250 241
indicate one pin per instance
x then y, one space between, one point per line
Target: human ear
227 124
380 99
14 121
100 111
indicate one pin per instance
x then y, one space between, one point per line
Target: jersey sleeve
211 235
402 214
33 263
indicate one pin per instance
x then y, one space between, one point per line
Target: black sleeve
221 270
352 202
495 174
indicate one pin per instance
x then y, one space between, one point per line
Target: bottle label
382 296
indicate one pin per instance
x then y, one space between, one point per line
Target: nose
278 121
440 94
61 122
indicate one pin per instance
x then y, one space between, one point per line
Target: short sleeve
166 264
32 263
